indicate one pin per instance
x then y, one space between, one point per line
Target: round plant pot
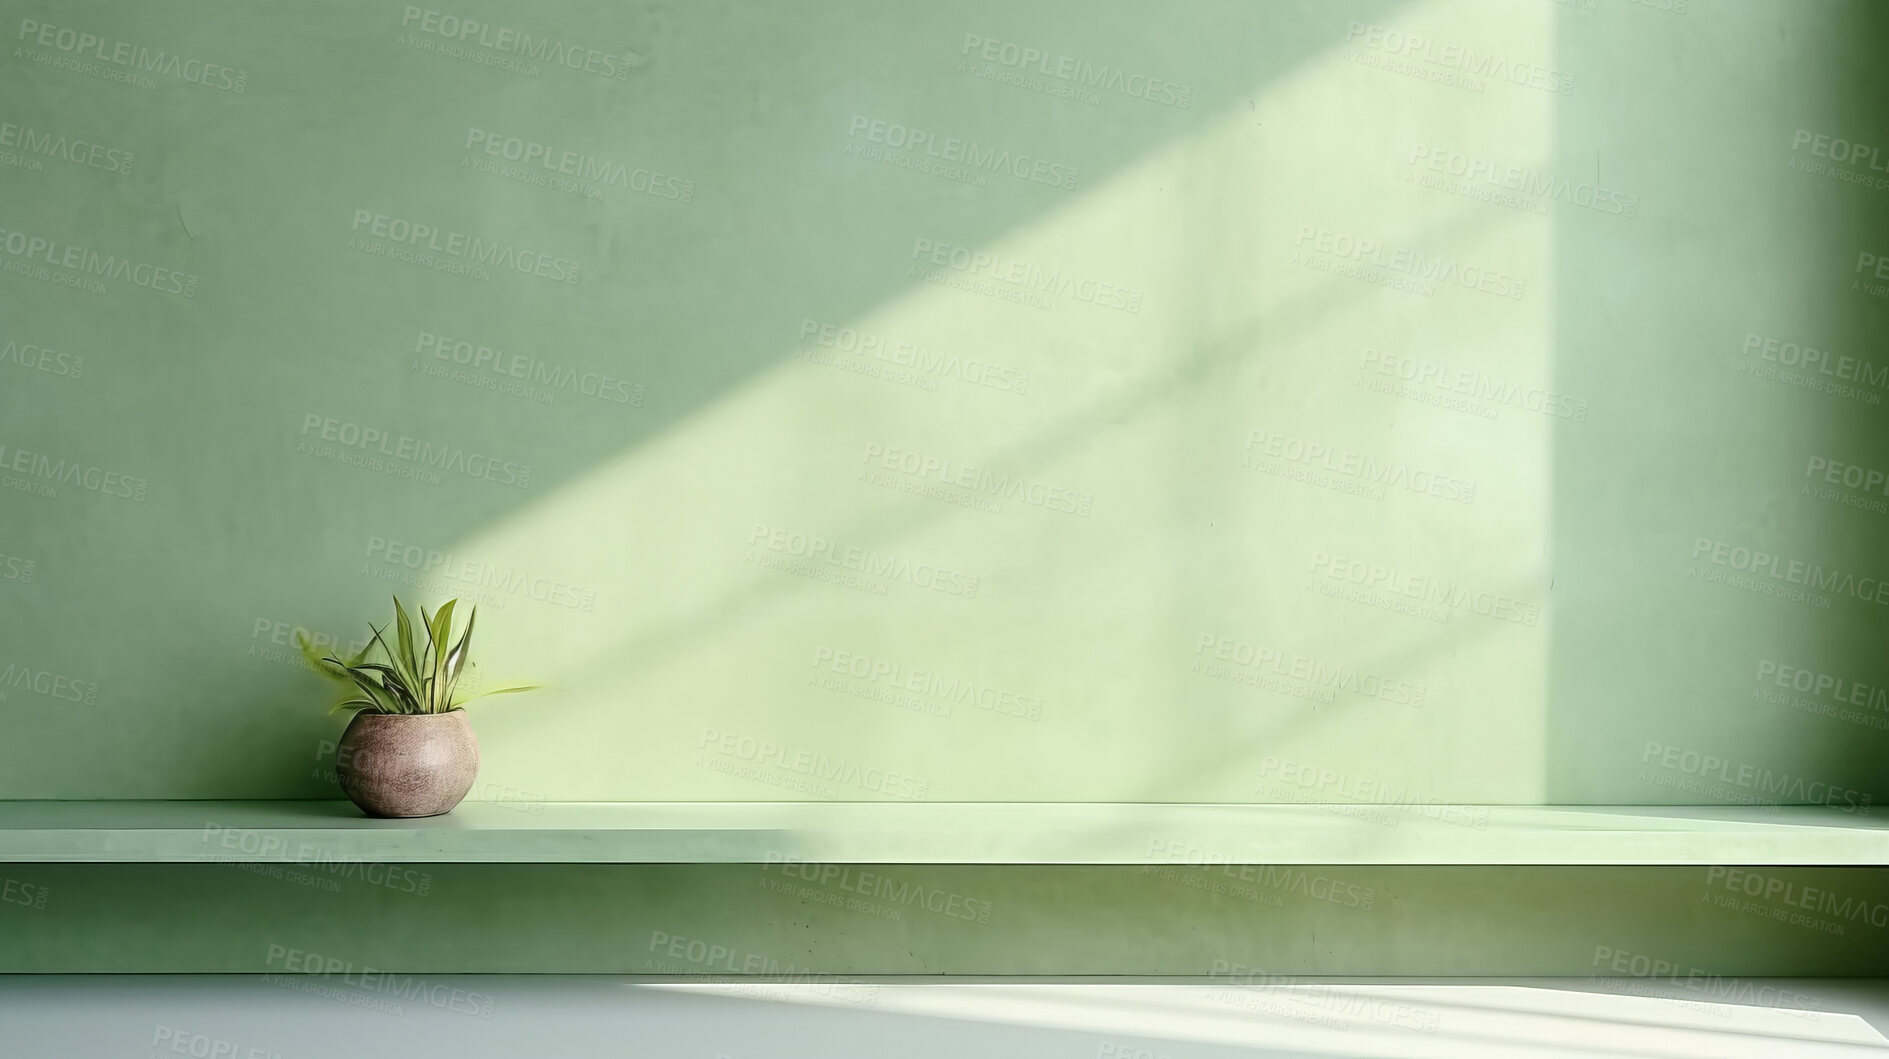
407 764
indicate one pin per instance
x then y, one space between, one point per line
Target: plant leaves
442 625
335 669
406 675
405 629
440 632
456 661
316 660
403 683
381 696
392 681
380 639
509 690
423 667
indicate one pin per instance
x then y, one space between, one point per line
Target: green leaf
327 665
314 656
442 626
456 661
440 631
384 699
426 645
337 670
403 675
509 690
391 680
306 646
319 662
405 626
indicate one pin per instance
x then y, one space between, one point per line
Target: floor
413 1017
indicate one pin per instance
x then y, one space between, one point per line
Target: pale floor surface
477 1016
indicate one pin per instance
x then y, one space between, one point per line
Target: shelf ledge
119 832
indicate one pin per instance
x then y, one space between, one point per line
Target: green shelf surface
988 833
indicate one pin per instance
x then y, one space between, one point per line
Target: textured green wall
1366 401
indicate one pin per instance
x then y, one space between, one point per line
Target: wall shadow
1715 441
306 329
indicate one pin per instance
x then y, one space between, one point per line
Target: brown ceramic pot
407 764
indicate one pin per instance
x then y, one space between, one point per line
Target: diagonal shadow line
1208 360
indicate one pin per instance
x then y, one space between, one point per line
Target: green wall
1368 401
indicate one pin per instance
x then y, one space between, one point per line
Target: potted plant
409 751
